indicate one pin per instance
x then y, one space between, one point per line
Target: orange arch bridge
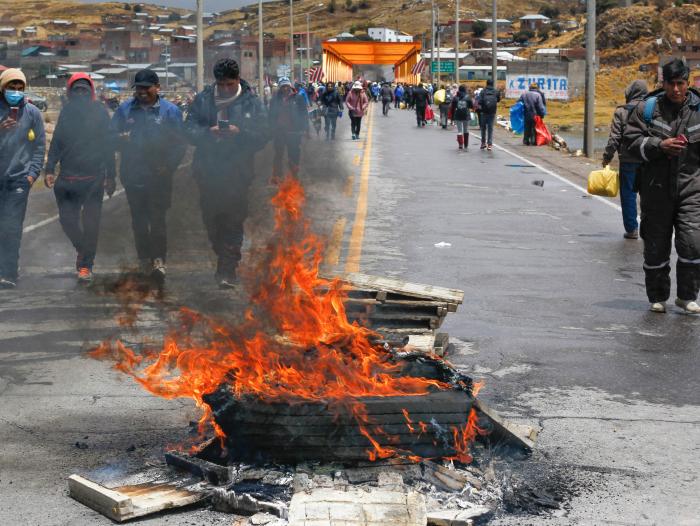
340 57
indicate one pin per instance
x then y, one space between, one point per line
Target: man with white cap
22 146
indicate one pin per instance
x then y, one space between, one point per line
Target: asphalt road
554 320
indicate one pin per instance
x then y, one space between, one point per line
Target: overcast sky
209 5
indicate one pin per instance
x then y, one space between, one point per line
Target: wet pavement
555 320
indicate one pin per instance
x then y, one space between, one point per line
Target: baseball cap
146 78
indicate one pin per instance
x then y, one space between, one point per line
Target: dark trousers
79 211
397 103
331 122
355 125
444 112
13 206
224 204
386 104
149 203
291 143
486 125
662 216
530 136
628 196
420 115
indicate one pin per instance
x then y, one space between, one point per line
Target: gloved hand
340 114
606 161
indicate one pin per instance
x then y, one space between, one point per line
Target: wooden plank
397 286
519 434
213 473
128 502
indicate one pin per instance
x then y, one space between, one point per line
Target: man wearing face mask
288 121
83 147
150 141
227 124
22 146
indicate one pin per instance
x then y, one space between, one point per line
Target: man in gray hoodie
634 95
22 146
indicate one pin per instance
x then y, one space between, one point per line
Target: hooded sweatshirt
82 143
22 148
634 94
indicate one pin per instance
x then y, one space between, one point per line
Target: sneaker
659 307
489 148
84 274
354 137
483 146
227 283
158 270
7 284
631 235
688 306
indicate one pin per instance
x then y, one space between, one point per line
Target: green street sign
446 66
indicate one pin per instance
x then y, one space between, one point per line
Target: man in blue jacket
22 146
151 144
228 126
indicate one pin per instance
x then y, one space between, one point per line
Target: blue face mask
14 97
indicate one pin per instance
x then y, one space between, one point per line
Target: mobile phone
682 138
224 125
14 113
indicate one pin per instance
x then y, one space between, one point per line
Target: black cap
146 78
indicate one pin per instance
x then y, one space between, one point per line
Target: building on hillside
128 45
480 72
502 24
183 48
384 34
8 32
689 51
533 22
562 80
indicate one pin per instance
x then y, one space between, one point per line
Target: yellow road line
358 229
335 242
349 185
356 160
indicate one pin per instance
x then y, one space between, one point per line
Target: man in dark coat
387 96
534 106
288 121
83 147
332 104
634 94
421 99
488 106
228 126
663 133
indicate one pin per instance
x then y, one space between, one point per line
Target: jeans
14 194
292 143
385 106
444 111
224 204
486 125
530 136
149 203
79 211
355 124
420 115
628 197
331 121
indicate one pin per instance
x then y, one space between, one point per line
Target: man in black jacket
227 124
288 122
332 104
663 133
421 99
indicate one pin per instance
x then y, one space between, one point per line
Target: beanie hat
284 81
357 85
10 75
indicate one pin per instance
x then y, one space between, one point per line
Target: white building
384 34
533 22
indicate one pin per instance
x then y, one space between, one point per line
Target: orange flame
295 343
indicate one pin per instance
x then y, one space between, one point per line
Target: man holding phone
22 146
663 133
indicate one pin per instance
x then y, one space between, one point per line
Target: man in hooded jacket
634 94
227 124
289 121
82 145
663 133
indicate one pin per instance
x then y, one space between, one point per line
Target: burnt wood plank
431 292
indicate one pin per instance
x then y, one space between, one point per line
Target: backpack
448 97
649 107
462 104
489 101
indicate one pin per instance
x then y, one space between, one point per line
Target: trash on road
443 244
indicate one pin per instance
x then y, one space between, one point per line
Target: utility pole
432 41
261 55
167 62
308 45
200 45
291 39
457 42
439 71
589 117
494 44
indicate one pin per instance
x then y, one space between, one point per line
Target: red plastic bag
543 135
429 115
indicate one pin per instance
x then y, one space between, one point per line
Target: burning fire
295 344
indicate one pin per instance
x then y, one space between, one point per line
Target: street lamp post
291 39
457 42
494 44
200 45
439 70
432 40
261 56
589 116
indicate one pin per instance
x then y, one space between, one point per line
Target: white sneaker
691 307
158 271
658 307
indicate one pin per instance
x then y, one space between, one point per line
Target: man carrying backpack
663 133
634 94
488 105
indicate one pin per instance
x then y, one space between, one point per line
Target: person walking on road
488 105
149 130
83 146
289 122
228 126
398 96
357 103
408 95
332 104
387 96
421 100
22 147
533 105
634 94
443 97
461 106
663 133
